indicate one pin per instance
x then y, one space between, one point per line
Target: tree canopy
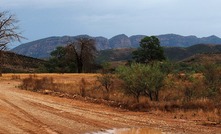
84 51
140 79
77 56
149 50
61 61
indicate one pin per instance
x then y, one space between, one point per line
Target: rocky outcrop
135 40
102 43
120 41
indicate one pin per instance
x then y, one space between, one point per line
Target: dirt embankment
28 112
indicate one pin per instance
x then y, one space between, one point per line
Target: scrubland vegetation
148 84
165 87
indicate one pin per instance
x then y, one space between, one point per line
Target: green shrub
212 79
141 79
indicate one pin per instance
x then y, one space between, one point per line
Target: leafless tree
84 50
8 33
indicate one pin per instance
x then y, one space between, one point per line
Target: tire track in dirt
109 115
33 121
112 117
28 112
9 116
73 116
25 125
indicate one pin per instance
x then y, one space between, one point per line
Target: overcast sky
44 18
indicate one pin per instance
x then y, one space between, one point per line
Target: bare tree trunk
156 96
0 71
1 59
80 67
150 96
137 96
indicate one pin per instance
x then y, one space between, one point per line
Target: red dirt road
28 112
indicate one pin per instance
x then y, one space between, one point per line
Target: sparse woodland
147 86
147 83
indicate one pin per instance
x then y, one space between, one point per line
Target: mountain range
196 54
43 47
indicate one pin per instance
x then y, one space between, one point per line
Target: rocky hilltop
43 47
120 41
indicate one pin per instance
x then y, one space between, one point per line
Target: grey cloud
110 17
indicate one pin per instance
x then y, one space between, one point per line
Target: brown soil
28 112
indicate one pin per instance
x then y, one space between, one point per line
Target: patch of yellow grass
72 83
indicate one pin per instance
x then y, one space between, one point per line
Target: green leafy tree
149 50
155 81
134 78
141 79
61 61
78 56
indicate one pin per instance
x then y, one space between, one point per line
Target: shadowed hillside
171 53
178 53
204 58
14 63
122 54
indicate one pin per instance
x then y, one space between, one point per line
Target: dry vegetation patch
174 98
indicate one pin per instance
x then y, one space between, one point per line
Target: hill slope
172 53
204 58
14 63
43 47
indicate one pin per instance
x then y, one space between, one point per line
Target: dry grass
84 87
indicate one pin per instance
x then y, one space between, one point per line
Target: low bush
15 77
105 82
34 84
